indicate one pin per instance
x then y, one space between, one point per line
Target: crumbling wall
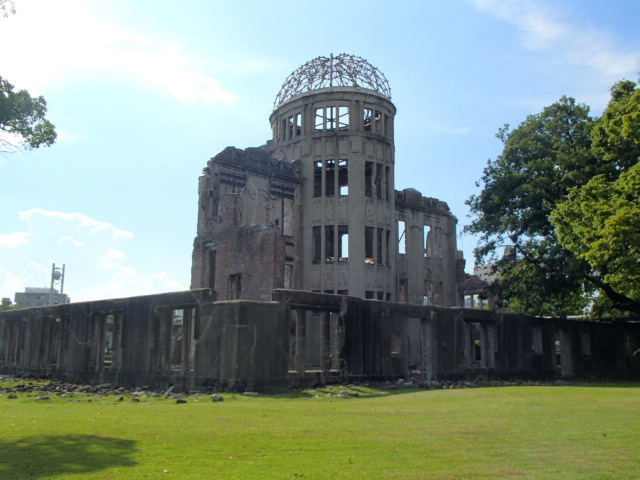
190 340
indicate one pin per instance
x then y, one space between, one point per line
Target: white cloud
79 222
71 240
543 29
14 239
94 252
69 42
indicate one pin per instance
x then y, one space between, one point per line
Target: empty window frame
177 339
426 241
333 177
343 177
330 178
368 179
343 243
372 120
294 126
336 248
367 119
387 184
317 179
379 181
433 242
317 244
386 247
368 245
329 244
402 237
379 245
332 118
111 347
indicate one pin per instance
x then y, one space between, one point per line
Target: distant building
39 297
486 272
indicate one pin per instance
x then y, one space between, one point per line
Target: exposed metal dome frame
342 71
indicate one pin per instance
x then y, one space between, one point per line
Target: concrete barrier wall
189 340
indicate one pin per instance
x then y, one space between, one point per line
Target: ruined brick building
309 268
315 208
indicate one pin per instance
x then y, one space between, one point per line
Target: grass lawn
579 431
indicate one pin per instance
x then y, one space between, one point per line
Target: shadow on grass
50 455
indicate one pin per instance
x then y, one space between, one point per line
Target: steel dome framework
341 71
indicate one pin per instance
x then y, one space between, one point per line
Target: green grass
582 432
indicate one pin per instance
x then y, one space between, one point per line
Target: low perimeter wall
189 340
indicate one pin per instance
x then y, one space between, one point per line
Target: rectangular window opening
177 339
343 177
368 179
427 241
379 181
331 118
343 243
402 237
386 249
290 128
377 122
343 118
298 124
367 118
329 244
379 245
330 178
317 179
368 245
388 185
317 244
319 119
109 333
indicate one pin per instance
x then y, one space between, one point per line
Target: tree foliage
542 159
545 159
22 120
600 221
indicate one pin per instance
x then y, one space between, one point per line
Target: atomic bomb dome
325 72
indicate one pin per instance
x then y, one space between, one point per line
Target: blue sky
143 92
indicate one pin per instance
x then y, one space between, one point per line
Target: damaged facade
315 209
308 268
300 339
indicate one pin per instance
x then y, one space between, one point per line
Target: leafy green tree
23 125
543 158
600 221
546 162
